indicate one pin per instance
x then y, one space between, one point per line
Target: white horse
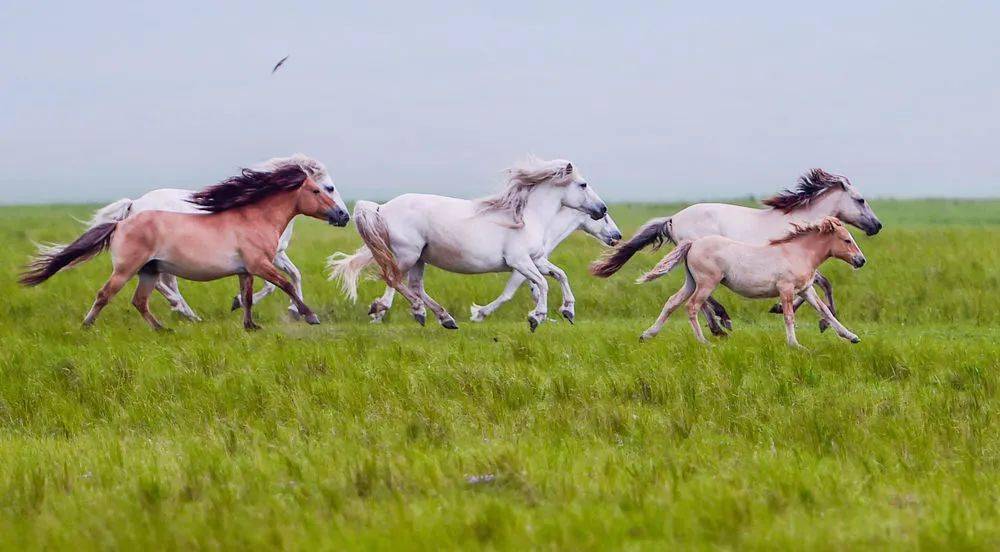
501 233
818 194
564 223
179 201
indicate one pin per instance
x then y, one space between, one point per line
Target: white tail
375 233
348 269
668 263
112 212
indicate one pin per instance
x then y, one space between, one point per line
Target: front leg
827 288
264 268
810 295
246 296
526 266
567 308
479 313
788 310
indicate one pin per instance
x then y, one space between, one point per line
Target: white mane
311 166
521 179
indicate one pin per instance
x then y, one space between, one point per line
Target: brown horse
784 268
239 236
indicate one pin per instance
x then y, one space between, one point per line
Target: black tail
655 231
53 259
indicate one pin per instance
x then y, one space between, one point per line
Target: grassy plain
366 435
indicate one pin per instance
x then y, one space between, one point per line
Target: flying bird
279 64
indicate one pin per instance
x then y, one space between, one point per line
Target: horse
784 268
817 194
501 233
564 223
247 215
178 201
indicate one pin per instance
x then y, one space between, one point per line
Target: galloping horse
563 224
784 268
247 215
179 201
818 194
505 232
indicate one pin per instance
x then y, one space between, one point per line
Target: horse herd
242 226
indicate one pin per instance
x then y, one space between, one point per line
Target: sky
651 100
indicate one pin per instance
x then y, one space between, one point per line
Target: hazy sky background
652 100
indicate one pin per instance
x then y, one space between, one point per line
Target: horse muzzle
873 228
337 217
858 261
598 212
613 239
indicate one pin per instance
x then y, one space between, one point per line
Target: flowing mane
248 187
521 179
810 186
825 225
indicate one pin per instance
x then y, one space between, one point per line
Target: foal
785 268
239 236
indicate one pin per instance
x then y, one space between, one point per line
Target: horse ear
569 168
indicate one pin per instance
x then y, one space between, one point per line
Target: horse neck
822 206
813 247
543 204
275 211
563 224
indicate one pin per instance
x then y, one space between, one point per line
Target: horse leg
265 269
479 313
789 313
720 312
675 300
106 293
283 262
416 281
246 296
166 284
527 268
713 324
827 287
567 308
701 292
824 311
380 307
140 299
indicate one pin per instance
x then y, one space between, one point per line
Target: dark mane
808 188
248 187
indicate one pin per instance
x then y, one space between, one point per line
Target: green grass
351 434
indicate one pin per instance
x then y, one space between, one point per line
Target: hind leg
166 284
720 312
246 296
140 300
827 288
416 281
713 323
701 293
675 300
526 266
104 295
380 307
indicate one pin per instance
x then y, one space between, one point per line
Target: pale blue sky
653 100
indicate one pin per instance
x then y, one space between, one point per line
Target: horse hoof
776 309
855 339
727 324
450 324
312 319
420 318
373 309
251 327
294 314
532 323
823 325
568 315
236 304
646 336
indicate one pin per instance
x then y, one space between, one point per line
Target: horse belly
201 269
454 259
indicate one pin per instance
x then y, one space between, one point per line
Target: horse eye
583 184
329 189
315 191
861 200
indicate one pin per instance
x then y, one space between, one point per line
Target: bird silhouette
279 64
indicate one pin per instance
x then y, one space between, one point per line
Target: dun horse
179 201
818 194
784 268
248 214
505 232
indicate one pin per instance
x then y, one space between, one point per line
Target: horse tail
348 269
668 263
53 258
112 212
375 233
656 231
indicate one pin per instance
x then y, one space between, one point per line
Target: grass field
366 435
